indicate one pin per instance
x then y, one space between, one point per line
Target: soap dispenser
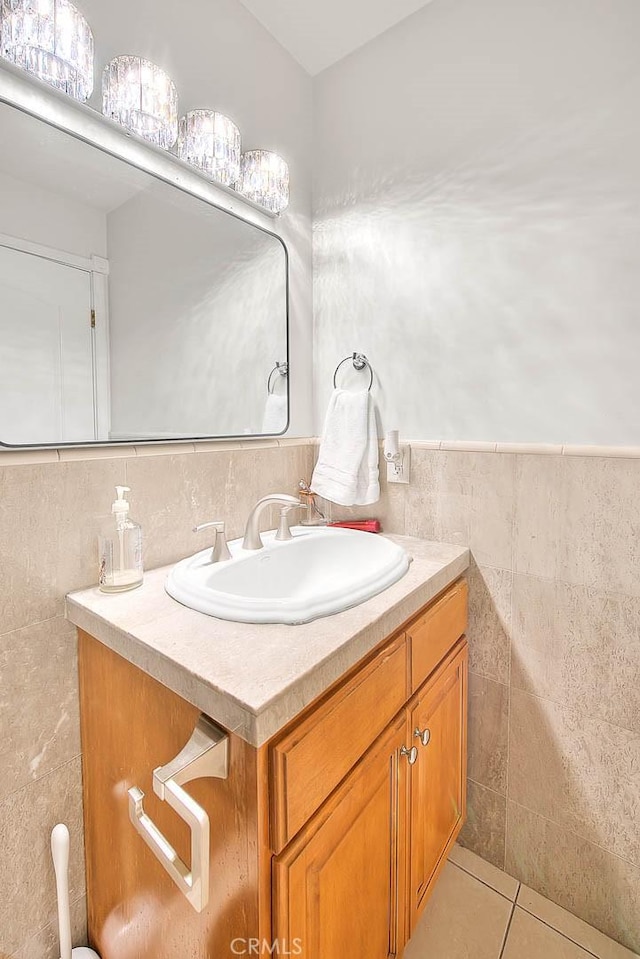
120 549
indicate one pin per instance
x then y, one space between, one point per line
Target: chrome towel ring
282 369
359 361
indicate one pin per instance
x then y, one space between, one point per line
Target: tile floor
478 912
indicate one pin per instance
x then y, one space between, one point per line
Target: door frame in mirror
32 96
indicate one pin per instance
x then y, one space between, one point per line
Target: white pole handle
60 854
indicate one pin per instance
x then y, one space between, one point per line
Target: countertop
253 679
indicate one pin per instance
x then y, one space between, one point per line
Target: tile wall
554 711
51 507
554 725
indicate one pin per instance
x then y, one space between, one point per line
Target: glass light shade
264 178
51 39
211 142
142 97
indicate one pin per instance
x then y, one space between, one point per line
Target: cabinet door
338 884
438 777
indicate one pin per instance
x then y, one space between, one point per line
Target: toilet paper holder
206 754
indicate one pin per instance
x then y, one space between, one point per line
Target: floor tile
581 932
529 938
484 871
464 919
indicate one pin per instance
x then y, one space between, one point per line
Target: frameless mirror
130 309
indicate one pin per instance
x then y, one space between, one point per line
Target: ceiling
319 32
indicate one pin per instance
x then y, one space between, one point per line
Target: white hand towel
347 469
275 413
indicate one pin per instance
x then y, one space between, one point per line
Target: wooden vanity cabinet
337 886
360 873
328 839
437 787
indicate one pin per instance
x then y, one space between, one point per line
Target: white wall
193 300
221 57
30 212
477 226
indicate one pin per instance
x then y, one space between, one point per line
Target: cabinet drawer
432 635
310 761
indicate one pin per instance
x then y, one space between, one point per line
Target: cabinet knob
424 735
411 754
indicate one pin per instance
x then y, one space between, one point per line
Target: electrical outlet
399 472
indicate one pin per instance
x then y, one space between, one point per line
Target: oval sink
319 572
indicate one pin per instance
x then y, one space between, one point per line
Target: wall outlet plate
400 472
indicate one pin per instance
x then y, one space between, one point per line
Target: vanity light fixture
211 142
51 39
264 178
142 97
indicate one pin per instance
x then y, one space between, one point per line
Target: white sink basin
319 572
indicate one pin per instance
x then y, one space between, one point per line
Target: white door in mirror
317 573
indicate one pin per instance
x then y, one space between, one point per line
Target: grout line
517 905
526 449
507 931
571 832
566 582
39 779
485 883
567 705
38 622
491 790
53 924
564 934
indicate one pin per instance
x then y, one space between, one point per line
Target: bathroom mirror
130 308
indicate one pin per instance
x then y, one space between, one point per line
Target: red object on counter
365 525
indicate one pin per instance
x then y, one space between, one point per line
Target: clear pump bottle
120 549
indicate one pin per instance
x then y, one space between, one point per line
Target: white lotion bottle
120 549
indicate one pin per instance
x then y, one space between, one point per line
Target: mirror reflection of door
46 357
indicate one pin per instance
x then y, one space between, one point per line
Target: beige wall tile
72 454
492 876
50 515
488 733
27 457
390 508
161 449
544 449
446 930
464 498
489 627
569 925
594 885
484 830
28 901
39 715
576 771
577 520
531 938
630 452
45 943
172 494
579 646
468 446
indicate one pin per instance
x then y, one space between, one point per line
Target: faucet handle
220 551
284 533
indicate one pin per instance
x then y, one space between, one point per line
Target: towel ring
282 369
359 362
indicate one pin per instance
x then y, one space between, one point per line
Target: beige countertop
253 679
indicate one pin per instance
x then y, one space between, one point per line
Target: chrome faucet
220 551
252 538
